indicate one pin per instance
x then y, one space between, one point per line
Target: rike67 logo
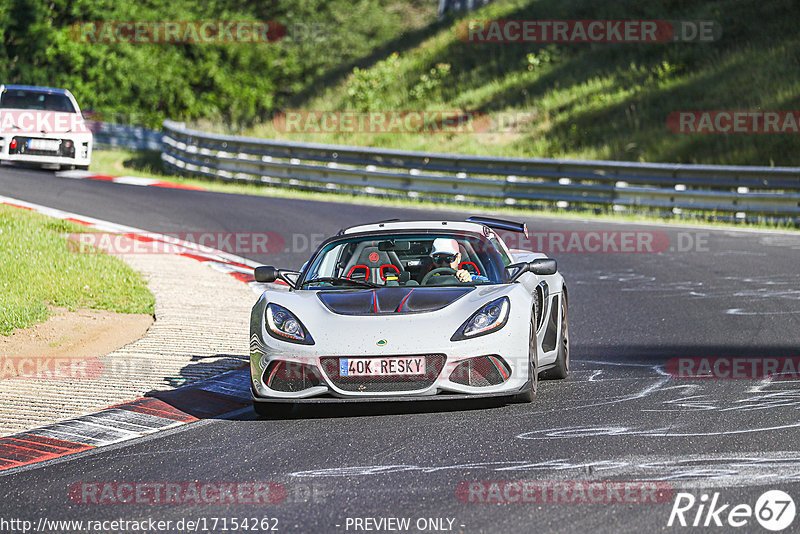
774 510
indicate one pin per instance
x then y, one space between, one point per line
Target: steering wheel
435 272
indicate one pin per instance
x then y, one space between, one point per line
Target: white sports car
410 311
44 126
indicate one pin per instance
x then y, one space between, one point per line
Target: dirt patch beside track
75 334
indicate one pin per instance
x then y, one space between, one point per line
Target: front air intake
291 377
482 371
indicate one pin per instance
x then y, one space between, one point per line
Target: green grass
145 164
38 269
586 101
148 165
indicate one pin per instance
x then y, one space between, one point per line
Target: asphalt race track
620 416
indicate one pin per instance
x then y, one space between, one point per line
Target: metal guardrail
619 185
110 136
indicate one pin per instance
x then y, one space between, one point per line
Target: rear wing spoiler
500 224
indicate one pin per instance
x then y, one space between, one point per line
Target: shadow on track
281 411
233 394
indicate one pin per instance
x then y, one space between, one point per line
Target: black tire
82 167
529 392
561 368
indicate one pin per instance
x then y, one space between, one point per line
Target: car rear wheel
561 368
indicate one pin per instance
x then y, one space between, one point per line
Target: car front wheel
561 368
533 370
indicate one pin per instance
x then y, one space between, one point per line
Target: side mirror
543 266
515 270
265 274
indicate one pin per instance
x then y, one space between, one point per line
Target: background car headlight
490 318
283 325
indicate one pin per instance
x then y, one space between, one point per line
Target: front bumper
443 397
476 369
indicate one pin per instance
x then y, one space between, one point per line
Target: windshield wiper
333 280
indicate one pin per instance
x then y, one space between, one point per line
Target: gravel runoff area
201 329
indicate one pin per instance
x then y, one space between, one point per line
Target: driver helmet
444 250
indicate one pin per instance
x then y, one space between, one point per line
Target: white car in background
43 126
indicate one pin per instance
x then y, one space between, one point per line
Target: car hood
391 300
405 333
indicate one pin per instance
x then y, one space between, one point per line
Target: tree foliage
234 84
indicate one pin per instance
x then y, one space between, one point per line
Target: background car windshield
404 260
35 100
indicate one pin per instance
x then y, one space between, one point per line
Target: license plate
44 144
381 366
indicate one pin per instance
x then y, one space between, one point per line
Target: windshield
35 100
405 260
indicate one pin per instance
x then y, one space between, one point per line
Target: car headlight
283 325
490 318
